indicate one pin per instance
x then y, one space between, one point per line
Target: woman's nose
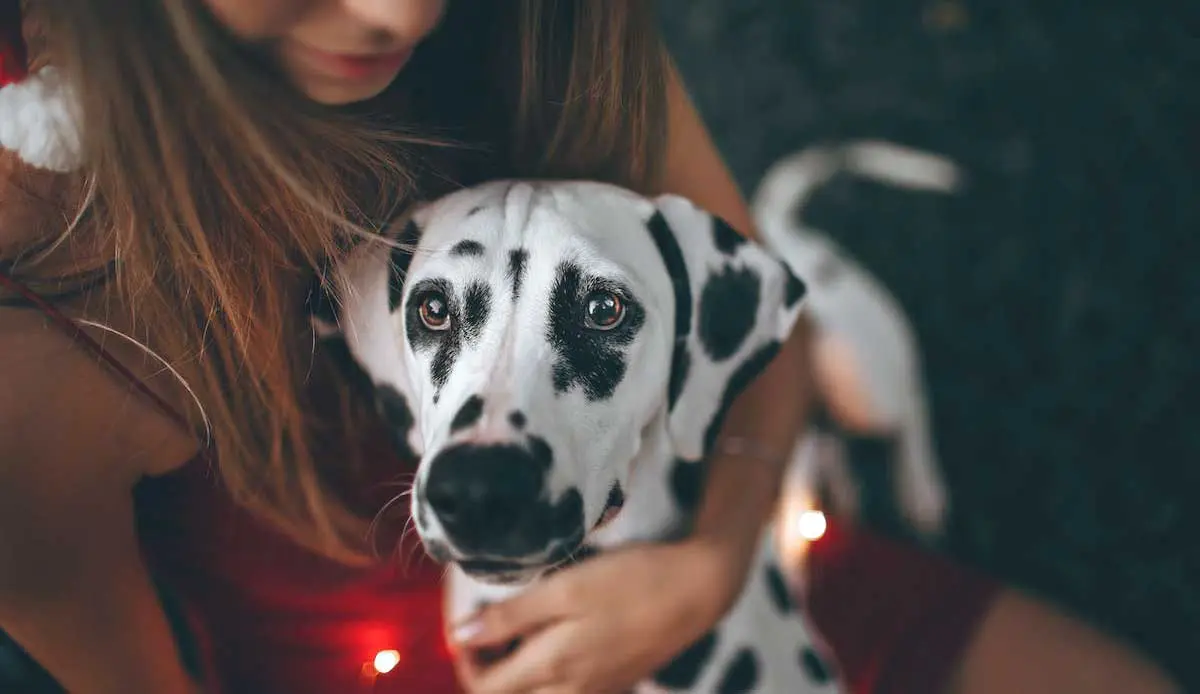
408 20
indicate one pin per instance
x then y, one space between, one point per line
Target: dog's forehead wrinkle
518 204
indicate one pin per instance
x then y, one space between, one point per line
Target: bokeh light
810 525
386 661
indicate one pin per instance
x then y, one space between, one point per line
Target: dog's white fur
865 346
632 437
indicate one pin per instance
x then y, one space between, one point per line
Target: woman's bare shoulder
64 416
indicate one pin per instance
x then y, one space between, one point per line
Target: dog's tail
790 182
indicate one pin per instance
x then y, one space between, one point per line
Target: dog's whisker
377 520
414 549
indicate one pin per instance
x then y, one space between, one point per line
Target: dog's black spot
672 257
397 415
777 588
589 359
401 258
726 238
681 364
517 419
687 483
614 502
517 260
443 361
742 674
745 373
467 247
616 497
728 311
795 289
542 452
468 414
685 669
477 304
814 666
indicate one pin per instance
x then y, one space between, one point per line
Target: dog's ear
735 304
355 311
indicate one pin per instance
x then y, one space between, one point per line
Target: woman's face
334 51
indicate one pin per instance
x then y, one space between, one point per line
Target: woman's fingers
498 624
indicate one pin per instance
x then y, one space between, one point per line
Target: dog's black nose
491 500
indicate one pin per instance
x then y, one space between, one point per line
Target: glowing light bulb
386 661
811 525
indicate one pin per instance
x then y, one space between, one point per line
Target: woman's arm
1026 646
741 492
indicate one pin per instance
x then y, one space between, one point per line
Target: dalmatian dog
866 356
559 356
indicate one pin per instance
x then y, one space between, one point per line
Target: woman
227 149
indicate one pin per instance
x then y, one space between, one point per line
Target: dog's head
532 341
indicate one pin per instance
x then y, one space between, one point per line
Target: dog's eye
435 311
605 311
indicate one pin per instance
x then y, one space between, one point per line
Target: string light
810 525
799 526
386 661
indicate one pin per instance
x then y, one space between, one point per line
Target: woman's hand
602 626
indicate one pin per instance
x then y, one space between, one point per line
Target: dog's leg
920 490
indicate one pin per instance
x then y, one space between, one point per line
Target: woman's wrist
727 531
747 463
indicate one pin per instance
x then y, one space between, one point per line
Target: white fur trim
38 122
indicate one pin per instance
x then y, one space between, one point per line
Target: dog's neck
650 512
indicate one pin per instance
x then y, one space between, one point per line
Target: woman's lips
358 66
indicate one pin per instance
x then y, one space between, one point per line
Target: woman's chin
343 93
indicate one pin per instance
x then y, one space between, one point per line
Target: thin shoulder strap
73 330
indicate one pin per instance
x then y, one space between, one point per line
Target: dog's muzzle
491 501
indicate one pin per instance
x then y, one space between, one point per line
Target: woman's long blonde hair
219 192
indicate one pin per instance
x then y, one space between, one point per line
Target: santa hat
37 113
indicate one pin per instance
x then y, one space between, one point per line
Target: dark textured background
1057 301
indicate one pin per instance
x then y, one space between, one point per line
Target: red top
270 615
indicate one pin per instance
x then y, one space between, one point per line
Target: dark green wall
1058 300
